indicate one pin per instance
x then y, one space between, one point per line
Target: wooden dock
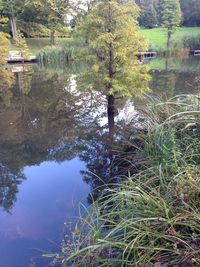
16 57
195 53
146 55
31 59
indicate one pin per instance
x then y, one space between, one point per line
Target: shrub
36 30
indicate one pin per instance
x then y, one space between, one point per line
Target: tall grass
153 218
189 41
55 55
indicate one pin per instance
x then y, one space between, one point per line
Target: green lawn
157 36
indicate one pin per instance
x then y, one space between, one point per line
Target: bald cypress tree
112 39
171 17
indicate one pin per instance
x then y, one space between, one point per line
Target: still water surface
52 136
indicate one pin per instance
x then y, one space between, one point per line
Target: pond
54 144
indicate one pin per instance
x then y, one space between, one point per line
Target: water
51 133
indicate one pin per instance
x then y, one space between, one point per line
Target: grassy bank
153 217
157 37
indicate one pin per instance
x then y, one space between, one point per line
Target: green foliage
37 30
110 39
36 18
148 17
7 8
3 22
62 31
191 11
171 17
32 29
4 47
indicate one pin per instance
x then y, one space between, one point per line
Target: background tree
79 9
191 12
148 17
171 17
54 11
12 9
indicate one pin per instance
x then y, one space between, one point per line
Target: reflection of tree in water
49 119
9 183
109 150
177 77
39 124
6 82
99 159
164 83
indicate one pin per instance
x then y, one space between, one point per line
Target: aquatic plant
51 55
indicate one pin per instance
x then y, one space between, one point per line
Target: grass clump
152 218
55 55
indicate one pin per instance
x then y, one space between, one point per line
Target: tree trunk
52 38
13 27
166 63
168 39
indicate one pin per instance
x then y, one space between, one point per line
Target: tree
12 9
111 38
148 16
55 12
171 17
191 12
79 9
9 183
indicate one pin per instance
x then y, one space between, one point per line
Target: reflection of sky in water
47 199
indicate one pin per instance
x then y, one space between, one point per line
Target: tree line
15 14
40 15
151 12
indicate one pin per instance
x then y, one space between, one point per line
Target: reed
54 55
